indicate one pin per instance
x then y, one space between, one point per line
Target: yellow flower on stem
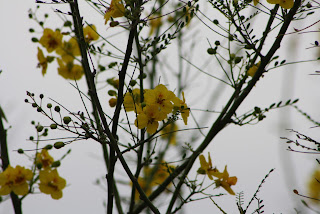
43 62
69 50
50 39
161 97
225 181
286 4
180 105
15 179
90 33
252 71
131 100
70 70
255 2
44 159
51 183
115 10
149 118
206 167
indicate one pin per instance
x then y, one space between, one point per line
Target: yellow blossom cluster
158 103
286 4
16 179
222 178
66 50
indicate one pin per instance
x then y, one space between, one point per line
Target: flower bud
133 83
53 126
56 164
114 23
113 102
57 108
39 165
211 51
48 147
59 145
39 128
66 120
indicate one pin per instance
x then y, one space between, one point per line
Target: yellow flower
252 71
180 105
206 167
44 159
43 62
132 100
51 183
69 50
225 181
286 4
15 179
169 133
161 173
115 10
70 70
149 117
314 185
90 33
51 40
255 2
161 97
155 23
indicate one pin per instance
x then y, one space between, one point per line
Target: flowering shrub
140 97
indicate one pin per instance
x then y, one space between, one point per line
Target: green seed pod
39 109
31 138
20 151
34 105
59 145
216 22
66 120
53 126
56 164
49 105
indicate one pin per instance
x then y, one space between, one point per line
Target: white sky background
249 151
